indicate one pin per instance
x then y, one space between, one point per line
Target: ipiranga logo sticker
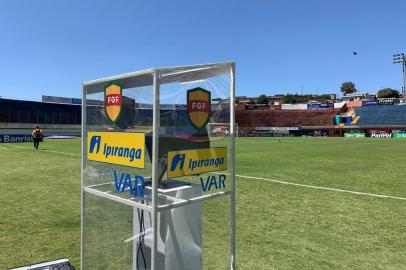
189 162
119 148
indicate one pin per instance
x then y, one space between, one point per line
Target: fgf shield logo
198 107
119 148
190 162
112 102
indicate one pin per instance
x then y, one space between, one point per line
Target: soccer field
302 203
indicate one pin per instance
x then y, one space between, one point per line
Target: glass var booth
158 169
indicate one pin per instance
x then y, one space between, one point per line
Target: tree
348 88
325 96
263 99
289 99
388 93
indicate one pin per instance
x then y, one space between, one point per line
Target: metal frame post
155 174
135 255
233 249
82 174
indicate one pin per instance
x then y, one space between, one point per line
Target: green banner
399 135
354 134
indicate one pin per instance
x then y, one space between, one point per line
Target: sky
50 47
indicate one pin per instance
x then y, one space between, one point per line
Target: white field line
268 180
3 147
45 150
322 188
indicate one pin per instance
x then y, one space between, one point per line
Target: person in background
36 135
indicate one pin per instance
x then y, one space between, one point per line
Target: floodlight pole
404 76
401 58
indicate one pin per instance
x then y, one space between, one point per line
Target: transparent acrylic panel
195 236
193 164
216 234
113 236
116 220
194 130
194 141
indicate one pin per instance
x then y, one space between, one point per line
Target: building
357 96
21 116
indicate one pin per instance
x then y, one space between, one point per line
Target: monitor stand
179 230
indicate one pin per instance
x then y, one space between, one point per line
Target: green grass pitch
280 226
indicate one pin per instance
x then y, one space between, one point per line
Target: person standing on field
36 136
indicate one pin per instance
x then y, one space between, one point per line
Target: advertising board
354 134
314 106
367 103
54 99
15 138
191 162
388 101
327 105
339 105
119 148
399 135
380 134
294 107
66 100
318 106
76 101
277 129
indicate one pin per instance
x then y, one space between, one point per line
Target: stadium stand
20 116
19 111
286 118
381 116
287 122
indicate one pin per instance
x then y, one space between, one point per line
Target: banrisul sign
15 138
119 148
190 162
198 107
113 102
